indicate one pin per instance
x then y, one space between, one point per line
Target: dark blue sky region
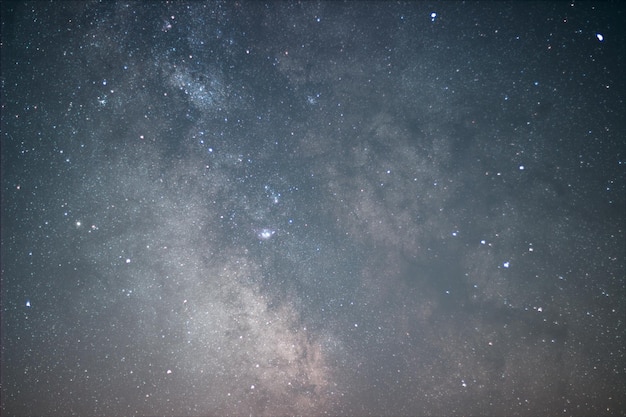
317 208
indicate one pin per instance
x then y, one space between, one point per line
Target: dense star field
318 208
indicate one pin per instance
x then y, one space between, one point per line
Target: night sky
355 208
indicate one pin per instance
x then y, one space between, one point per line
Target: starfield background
316 208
